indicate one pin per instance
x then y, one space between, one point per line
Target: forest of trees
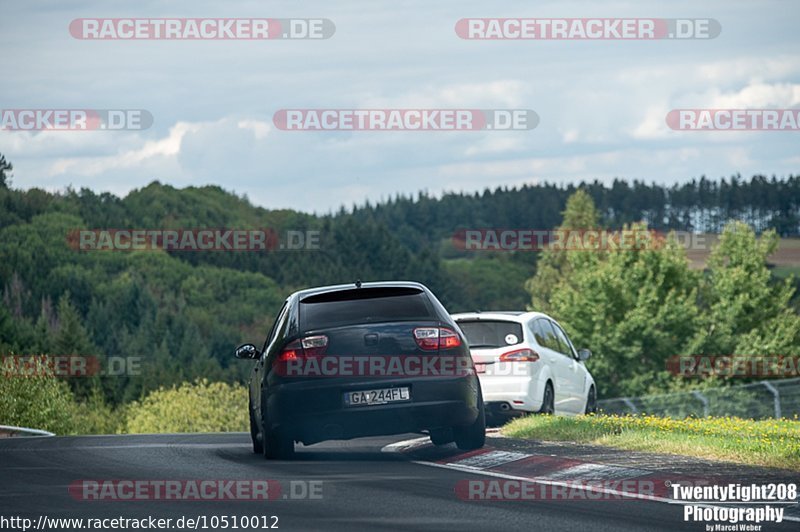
698 205
183 312
636 309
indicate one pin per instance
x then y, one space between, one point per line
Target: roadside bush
40 402
95 416
46 403
192 407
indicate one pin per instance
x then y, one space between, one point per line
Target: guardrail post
629 403
703 399
769 386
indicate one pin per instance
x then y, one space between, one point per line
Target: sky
601 103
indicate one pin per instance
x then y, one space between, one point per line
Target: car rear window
491 333
364 305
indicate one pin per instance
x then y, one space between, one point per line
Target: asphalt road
362 488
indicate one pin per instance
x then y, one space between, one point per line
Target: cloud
757 95
167 147
602 105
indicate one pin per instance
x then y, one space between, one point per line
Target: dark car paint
312 409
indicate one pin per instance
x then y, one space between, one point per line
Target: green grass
771 443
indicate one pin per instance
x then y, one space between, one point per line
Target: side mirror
584 355
247 352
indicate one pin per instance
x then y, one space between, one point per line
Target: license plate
377 397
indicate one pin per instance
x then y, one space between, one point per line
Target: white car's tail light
520 355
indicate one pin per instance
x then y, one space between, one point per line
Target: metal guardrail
758 400
23 431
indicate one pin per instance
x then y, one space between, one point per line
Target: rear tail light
293 351
427 338
448 339
310 346
314 345
520 355
433 338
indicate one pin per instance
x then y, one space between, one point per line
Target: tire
472 436
591 401
441 436
258 448
275 444
278 446
549 400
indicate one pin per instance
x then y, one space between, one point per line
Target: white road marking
173 445
490 459
405 445
395 447
595 472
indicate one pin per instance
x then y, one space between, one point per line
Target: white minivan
526 363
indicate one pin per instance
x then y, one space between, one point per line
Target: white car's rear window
491 333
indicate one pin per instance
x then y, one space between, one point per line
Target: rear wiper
480 346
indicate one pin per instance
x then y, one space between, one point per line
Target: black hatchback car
359 360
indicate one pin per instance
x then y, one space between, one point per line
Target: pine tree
746 312
552 267
5 168
71 338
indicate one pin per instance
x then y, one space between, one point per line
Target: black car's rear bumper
313 410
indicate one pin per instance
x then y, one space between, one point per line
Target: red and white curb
551 470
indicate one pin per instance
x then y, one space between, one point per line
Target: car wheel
258 448
441 436
278 446
275 444
549 400
591 401
472 436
